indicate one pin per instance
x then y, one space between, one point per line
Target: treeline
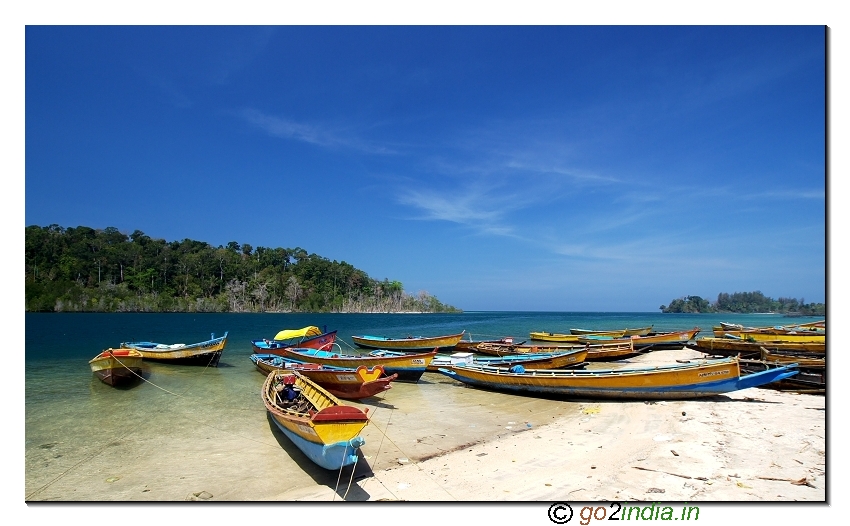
91 270
745 302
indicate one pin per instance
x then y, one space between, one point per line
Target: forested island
84 269
746 303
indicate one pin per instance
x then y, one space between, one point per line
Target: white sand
696 451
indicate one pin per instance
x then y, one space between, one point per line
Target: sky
606 156
536 168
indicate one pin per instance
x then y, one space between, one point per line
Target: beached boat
408 366
776 329
317 422
640 331
664 382
202 353
409 343
556 337
666 340
734 346
117 366
562 360
598 352
511 349
809 379
345 383
310 337
761 336
470 345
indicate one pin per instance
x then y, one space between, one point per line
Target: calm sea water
162 439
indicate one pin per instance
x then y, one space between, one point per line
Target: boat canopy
288 334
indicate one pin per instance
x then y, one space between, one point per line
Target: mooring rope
130 431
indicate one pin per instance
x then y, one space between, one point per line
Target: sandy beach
751 445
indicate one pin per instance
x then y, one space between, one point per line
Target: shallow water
192 429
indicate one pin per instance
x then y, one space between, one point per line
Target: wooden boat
470 345
610 353
664 382
640 331
410 343
117 366
809 380
202 353
505 349
409 367
772 337
317 422
572 358
598 352
776 329
345 383
731 347
802 359
556 337
310 337
666 340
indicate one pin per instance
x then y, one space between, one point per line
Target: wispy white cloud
317 134
482 210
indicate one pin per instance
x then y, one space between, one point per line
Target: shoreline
754 445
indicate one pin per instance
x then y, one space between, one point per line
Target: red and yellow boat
408 366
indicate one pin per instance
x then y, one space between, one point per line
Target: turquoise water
188 419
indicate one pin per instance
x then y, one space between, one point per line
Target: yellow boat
322 427
202 353
641 331
770 337
664 382
410 343
562 338
665 340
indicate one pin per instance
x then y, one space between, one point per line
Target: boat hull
772 337
682 381
561 360
116 367
322 341
731 347
669 340
408 344
323 428
207 353
408 367
328 456
640 331
348 384
556 337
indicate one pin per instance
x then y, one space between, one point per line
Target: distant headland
84 269
746 303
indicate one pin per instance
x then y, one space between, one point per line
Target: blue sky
556 168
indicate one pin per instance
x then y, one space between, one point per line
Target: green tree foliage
86 270
745 302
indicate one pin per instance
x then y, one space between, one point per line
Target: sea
199 433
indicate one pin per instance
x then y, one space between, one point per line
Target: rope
418 466
143 378
130 431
